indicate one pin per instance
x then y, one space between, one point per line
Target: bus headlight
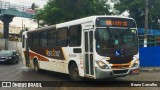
102 65
136 63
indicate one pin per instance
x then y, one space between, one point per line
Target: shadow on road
7 64
63 80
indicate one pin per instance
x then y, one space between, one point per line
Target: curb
154 69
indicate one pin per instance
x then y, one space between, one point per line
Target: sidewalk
150 69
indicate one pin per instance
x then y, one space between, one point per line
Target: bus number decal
52 53
72 55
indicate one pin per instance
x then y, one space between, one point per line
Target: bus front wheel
74 73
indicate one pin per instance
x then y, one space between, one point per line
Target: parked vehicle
9 56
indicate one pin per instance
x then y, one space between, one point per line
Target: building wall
12 29
12 45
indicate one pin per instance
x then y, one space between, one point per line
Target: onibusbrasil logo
20 84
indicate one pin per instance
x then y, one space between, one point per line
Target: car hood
5 55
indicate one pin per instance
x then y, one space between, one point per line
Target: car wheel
12 61
74 73
17 61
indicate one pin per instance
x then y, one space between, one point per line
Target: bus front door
88 52
26 51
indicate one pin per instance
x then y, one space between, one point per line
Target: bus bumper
108 73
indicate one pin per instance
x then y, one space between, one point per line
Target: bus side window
52 39
62 37
43 39
30 40
75 35
35 39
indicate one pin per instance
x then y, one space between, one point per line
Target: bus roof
86 19
52 27
75 22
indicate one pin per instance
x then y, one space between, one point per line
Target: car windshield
3 52
112 41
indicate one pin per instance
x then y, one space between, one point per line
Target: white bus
94 47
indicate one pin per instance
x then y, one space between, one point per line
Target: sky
17 21
41 3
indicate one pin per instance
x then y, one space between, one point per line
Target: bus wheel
36 67
74 73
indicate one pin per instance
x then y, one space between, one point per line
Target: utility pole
146 23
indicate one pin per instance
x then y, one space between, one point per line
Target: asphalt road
18 72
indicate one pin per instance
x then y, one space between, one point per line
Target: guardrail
152 40
8 6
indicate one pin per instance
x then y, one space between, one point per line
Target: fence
152 40
150 55
7 5
15 10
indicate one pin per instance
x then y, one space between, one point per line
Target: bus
94 47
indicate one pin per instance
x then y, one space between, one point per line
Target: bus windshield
116 42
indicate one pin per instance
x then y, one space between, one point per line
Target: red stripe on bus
33 55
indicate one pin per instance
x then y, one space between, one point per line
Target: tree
57 11
34 6
136 9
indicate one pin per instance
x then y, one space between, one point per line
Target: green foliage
136 9
57 11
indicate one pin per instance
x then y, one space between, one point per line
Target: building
13 30
17 24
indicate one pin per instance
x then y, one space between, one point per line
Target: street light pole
146 23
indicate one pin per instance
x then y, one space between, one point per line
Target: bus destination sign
115 22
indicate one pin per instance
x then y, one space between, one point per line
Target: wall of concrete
12 45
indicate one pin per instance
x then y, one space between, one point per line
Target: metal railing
152 40
8 6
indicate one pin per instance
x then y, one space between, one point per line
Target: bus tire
36 66
74 73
